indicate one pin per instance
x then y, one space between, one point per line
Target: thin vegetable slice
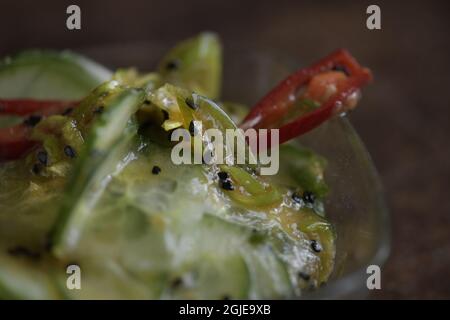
110 133
269 110
49 75
195 64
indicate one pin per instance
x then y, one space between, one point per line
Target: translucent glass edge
350 285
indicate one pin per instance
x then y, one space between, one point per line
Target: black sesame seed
253 171
342 69
42 156
176 283
192 128
223 175
226 185
67 111
315 246
309 197
304 276
99 110
173 65
191 104
156 170
296 197
36 169
32 120
21 251
69 151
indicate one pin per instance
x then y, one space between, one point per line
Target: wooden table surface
404 117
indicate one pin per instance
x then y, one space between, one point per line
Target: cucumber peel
43 74
195 64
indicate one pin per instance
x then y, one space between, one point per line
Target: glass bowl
355 205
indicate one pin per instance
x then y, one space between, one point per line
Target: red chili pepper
279 100
14 141
331 107
24 107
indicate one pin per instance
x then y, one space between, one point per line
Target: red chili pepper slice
14 141
278 101
331 107
24 107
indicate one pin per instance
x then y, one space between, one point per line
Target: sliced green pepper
320 233
250 191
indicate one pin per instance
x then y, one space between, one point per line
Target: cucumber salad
86 179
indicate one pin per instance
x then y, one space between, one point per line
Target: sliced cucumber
269 275
108 139
195 64
22 280
213 269
49 75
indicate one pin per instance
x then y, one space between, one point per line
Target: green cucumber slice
195 64
269 274
49 75
108 139
21 280
212 269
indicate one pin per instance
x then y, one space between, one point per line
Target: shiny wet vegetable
95 186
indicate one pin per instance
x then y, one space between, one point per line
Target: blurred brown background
405 112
